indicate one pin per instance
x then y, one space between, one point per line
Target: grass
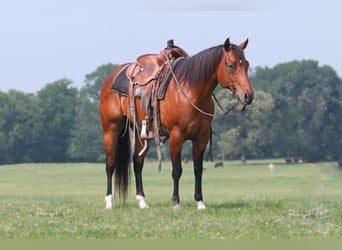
66 201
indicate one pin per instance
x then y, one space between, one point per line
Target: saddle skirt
122 82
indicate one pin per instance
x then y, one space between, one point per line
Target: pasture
66 201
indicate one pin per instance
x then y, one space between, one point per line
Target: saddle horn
170 44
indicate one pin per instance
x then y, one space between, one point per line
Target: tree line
297 112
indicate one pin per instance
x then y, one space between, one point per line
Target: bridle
225 112
230 67
231 87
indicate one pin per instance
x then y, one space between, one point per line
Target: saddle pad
165 81
121 82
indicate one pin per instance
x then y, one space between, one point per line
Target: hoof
177 207
141 201
109 201
200 205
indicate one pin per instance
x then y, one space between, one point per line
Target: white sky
42 41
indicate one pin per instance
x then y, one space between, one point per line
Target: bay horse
186 112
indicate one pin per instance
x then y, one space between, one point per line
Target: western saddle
146 76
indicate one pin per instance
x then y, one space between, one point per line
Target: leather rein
225 112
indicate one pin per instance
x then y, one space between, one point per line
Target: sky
43 41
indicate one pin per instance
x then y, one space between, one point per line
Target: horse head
232 72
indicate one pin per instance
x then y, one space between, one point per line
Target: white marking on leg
141 201
200 205
109 201
177 207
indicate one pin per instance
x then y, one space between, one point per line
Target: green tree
307 98
94 81
249 136
86 136
19 121
86 142
57 102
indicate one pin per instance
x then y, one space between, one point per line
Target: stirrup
144 134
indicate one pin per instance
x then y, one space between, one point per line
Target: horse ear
244 44
227 44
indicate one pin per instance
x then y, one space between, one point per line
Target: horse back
110 101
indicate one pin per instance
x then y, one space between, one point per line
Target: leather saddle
147 73
149 66
145 69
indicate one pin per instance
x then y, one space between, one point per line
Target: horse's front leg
138 164
198 172
198 150
175 153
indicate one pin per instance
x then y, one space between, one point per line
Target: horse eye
231 66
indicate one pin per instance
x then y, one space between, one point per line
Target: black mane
200 66
238 52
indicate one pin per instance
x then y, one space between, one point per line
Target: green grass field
66 201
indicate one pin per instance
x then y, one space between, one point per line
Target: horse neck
200 70
206 87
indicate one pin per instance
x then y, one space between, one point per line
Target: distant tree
86 136
19 123
94 81
57 103
86 142
308 106
249 136
297 111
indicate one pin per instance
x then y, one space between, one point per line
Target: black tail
122 167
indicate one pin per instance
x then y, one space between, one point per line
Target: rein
184 94
225 112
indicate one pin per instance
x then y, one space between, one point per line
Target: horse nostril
248 98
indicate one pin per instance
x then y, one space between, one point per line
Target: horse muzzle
245 97
248 98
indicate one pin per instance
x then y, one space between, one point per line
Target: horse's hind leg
109 195
115 145
138 163
110 141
